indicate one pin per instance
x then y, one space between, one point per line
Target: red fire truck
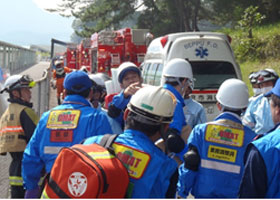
84 54
111 48
71 56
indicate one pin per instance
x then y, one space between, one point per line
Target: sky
25 22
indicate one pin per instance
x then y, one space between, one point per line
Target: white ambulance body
210 55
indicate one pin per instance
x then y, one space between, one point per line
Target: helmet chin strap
182 86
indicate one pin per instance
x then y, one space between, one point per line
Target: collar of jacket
229 115
76 99
175 92
21 102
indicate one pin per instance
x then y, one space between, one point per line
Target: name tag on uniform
221 153
224 135
61 136
135 161
63 119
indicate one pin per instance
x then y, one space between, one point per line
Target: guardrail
41 92
14 59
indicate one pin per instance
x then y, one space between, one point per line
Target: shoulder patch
136 161
63 119
224 135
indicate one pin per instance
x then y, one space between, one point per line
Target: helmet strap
182 86
163 136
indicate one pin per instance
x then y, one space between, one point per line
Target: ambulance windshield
211 74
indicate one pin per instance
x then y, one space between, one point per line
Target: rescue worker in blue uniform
152 174
193 110
177 77
17 125
130 79
258 116
63 126
213 165
262 160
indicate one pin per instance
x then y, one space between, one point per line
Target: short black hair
174 83
132 123
238 112
276 100
84 93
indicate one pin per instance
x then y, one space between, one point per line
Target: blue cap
275 90
77 81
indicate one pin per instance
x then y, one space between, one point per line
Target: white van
210 55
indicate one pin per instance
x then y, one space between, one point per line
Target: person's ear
219 106
126 114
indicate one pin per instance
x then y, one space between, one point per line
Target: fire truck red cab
71 57
84 54
111 48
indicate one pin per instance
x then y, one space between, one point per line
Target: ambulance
210 55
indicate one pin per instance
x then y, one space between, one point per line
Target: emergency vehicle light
164 40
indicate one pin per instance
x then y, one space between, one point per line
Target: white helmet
125 67
178 68
97 79
153 103
267 75
233 93
104 76
18 81
57 63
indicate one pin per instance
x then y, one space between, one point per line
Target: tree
159 16
250 19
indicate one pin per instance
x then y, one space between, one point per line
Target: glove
32 194
174 141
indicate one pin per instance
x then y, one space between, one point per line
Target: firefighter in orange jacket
58 74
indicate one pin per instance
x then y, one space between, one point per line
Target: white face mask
266 89
257 91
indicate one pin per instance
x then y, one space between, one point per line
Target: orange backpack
87 171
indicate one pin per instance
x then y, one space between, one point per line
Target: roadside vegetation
256 47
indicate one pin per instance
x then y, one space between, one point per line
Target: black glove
174 142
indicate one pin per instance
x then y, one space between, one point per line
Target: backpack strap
107 141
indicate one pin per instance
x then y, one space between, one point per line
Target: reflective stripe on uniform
44 195
220 166
52 150
101 155
16 180
11 129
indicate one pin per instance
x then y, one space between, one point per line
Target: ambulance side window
158 74
145 71
151 74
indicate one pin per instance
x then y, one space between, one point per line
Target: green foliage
267 55
250 19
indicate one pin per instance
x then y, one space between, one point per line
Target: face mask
266 89
257 91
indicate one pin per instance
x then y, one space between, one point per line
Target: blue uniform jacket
263 180
149 168
45 143
221 145
179 120
258 115
120 102
194 112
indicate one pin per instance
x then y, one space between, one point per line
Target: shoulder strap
107 140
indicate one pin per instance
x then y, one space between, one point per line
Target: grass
266 33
